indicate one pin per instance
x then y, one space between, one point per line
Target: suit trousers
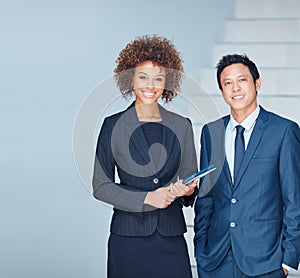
229 269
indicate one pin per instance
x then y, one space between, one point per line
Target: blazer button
233 200
232 224
156 180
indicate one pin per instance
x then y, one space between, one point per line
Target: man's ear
258 83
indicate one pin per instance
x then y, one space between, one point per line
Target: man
248 224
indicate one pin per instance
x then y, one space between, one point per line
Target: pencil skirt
153 256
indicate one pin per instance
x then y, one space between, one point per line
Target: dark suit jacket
258 217
123 146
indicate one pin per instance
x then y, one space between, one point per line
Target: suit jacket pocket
264 159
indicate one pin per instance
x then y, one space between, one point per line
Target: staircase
268 31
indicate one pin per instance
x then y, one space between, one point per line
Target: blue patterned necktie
239 150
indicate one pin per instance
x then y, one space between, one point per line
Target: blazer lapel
139 141
167 137
256 136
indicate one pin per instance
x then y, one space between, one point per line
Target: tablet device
200 174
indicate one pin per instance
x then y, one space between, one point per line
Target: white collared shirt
230 134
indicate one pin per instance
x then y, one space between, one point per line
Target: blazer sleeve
289 168
189 162
104 187
203 205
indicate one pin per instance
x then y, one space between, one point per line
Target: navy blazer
123 146
258 217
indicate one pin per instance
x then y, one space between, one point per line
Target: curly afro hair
160 51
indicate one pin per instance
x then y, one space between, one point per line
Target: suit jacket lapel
216 150
223 153
256 136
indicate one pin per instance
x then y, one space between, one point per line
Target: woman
152 149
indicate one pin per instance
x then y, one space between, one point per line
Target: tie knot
239 129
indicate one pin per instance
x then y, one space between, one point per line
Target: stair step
287 107
274 81
262 30
199 107
264 54
267 8
209 108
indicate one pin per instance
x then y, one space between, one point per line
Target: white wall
53 53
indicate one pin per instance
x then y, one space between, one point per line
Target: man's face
239 89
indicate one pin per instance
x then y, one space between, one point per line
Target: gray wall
52 54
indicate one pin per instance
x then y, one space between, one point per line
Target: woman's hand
161 197
181 189
164 196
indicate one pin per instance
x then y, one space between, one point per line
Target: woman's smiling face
148 82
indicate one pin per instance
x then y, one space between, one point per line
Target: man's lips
238 97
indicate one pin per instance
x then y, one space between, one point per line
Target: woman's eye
142 77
